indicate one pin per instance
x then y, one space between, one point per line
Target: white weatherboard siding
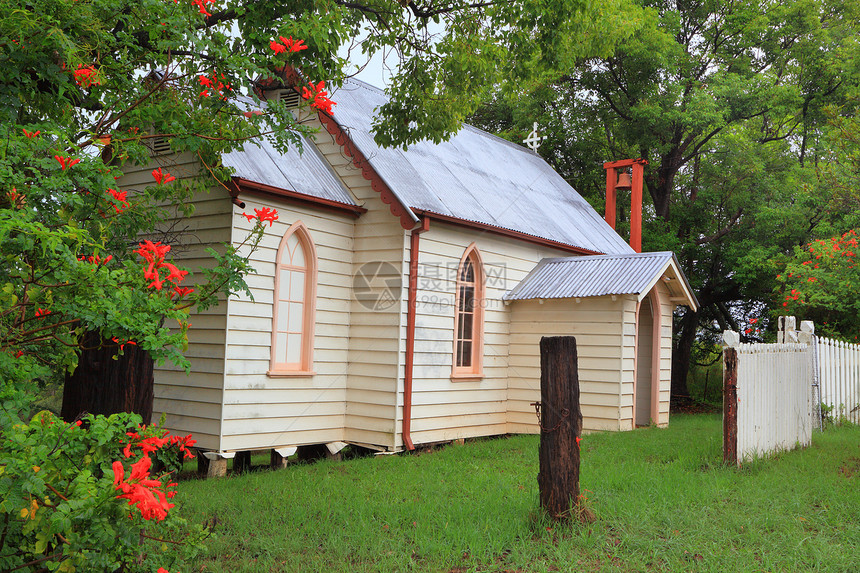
596 324
192 402
374 393
444 408
667 310
262 411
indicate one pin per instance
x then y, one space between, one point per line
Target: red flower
42 312
162 177
183 291
204 81
293 45
121 347
32 135
141 490
118 473
19 354
184 442
277 48
154 253
86 76
266 214
201 4
120 197
66 161
176 275
753 320
319 97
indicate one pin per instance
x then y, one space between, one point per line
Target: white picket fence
839 379
781 389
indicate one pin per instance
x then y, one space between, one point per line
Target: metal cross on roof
533 140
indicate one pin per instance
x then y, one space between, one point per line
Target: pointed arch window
469 316
294 304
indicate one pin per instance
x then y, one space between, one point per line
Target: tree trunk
104 385
682 352
561 425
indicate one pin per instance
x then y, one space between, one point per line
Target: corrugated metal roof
306 172
475 176
596 275
478 177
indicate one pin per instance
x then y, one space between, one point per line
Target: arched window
294 304
469 316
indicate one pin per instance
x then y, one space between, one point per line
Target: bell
624 181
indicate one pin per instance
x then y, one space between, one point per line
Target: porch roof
600 275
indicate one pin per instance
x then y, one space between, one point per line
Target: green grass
662 498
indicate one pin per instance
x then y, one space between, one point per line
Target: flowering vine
318 96
263 215
142 490
214 84
154 253
161 177
288 45
66 162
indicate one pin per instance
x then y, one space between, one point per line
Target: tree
97 81
727 103
88 86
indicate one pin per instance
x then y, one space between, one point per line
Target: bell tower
618 176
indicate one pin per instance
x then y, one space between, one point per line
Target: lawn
662 498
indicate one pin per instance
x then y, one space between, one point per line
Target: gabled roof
599 275
474 177
307 172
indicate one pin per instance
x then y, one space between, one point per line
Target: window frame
305 365
475 371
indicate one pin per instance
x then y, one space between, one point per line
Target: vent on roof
288 96
159 145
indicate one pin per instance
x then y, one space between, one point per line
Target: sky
376 72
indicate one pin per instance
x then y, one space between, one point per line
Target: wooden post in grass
730 397
560 420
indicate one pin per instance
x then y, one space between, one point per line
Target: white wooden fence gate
774 394
767 398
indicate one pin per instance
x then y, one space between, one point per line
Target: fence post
730 397
807 329
560 426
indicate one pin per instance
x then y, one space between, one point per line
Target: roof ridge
503 140
606 256
362 84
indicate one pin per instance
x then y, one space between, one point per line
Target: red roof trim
505 232
243 186
388 197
